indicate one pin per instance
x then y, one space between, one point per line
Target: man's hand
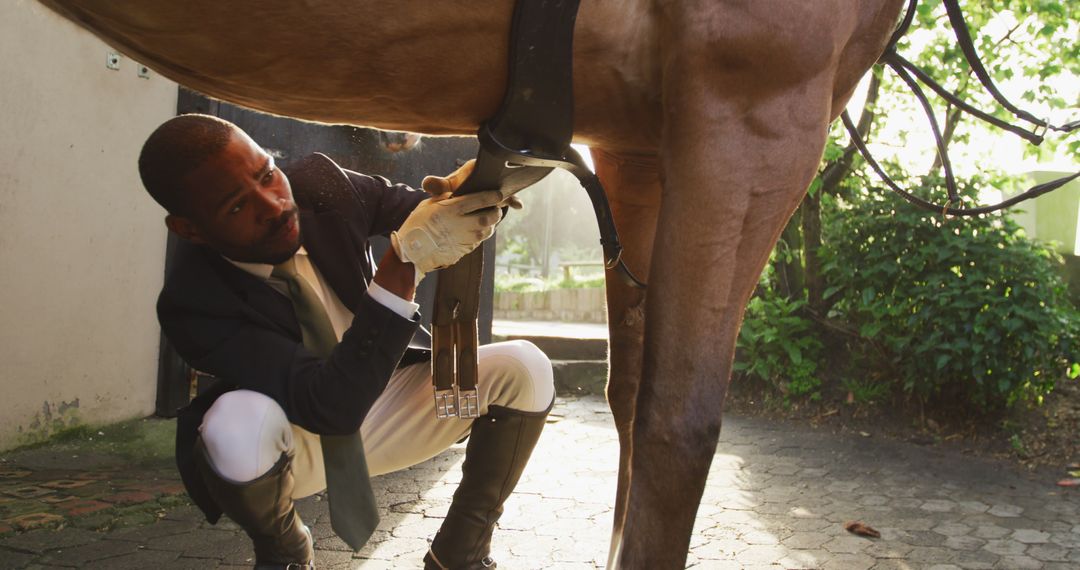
439 185
442 229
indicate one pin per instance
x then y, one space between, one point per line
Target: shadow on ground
777 497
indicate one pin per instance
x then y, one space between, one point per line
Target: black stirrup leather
527 137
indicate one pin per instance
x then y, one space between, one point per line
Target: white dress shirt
340 315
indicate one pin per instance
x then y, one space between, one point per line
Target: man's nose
272 205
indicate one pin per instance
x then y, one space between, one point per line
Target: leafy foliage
865 391
1029 47
965 309
952 311
520 283
777 346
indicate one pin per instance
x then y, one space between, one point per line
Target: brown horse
707 121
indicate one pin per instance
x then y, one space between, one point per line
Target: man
279 299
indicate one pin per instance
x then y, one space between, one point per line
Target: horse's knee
685 434
620 397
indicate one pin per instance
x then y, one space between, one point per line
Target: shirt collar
260 270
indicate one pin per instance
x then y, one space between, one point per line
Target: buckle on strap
468 404
446 403
457 403
485 562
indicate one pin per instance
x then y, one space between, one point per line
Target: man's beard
274 258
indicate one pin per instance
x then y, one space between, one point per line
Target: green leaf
793 353
871 329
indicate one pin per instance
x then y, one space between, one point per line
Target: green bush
593 281
523 284
965 310
776 346
519 283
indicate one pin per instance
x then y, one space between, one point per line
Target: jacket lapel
335 226
327 241
259 300
324 194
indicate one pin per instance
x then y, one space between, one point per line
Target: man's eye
236 208
269 176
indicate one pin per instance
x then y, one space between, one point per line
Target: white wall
81 245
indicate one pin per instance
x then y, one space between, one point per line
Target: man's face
241 205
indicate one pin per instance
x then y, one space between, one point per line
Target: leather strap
912 75
536 114
527 137
454 338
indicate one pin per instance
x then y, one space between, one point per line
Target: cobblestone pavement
61 494
778 497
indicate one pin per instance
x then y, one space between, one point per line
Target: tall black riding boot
264 509
499 447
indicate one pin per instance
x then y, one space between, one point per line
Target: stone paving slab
777 498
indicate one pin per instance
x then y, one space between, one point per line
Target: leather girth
527 137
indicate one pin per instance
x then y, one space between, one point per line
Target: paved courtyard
777 498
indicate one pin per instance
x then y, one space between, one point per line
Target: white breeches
245 432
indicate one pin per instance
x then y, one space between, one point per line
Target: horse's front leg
733 174
633 187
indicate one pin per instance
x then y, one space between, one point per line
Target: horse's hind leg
633 188
732 177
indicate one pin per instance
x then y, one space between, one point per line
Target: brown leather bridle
912 75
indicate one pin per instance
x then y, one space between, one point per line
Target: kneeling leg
516 391
244 456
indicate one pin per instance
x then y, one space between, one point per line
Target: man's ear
184 228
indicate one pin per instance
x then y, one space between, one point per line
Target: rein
912 75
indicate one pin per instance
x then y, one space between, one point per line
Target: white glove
441 230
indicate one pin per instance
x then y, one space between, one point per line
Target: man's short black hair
174 150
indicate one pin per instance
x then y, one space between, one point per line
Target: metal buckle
468 402
1045 129
446 403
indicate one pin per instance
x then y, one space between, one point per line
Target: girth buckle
446 404
468 404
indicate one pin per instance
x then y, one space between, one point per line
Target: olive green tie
353 514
